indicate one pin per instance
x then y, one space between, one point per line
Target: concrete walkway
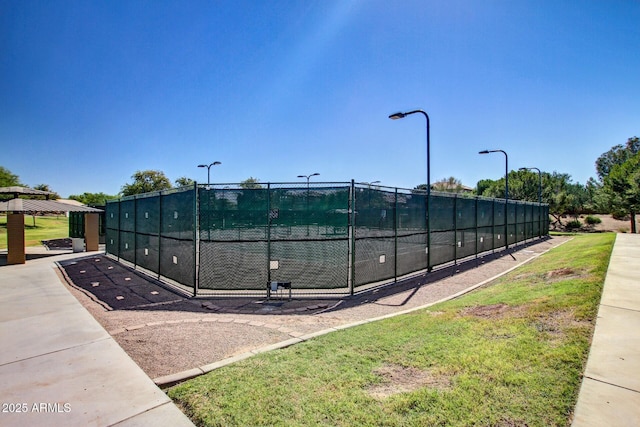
610 391
58 366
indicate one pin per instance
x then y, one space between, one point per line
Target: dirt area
166 333
400 379
608 223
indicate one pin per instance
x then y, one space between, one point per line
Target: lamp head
217 163
483 152
396 116
202 166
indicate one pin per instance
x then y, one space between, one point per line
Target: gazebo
17 208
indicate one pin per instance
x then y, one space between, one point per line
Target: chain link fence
77 224
324 238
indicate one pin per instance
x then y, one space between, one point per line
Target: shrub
592 220
573 225
620 216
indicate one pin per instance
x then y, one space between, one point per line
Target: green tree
183 181
523 185
616 156
615 194
597 201
8 179
450 185
483 185
45 187
146 182
562 196
250 183
92 199
622 188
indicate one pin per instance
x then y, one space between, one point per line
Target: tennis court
324 238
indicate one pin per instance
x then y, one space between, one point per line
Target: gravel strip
166 333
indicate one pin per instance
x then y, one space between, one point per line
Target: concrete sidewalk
610 391
58 366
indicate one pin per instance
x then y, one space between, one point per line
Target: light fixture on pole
209 170
307 177
400 115
506 192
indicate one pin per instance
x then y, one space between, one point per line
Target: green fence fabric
249 237
76 224
321 237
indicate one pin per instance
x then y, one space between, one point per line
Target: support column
91 231
15 239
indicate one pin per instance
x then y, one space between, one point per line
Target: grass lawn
510 354
46 227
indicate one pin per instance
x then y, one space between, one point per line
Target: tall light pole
308 177
506 193
539 197
208 185
209 170
400 115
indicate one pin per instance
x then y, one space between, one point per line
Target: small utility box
276 286
77 244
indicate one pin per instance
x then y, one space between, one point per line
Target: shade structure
30 206
19 191
17 208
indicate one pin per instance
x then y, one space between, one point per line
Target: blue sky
93 91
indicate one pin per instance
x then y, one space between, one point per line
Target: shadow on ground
117 287
30 257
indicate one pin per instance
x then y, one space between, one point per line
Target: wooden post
91 231
15 239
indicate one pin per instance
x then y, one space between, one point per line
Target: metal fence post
351 212
135 231
429 267
516 238
119 230
493 226
269 232
395 235
455 229
540 220
159 234
475 224
506 224
196 238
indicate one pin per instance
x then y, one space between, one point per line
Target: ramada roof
35 205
